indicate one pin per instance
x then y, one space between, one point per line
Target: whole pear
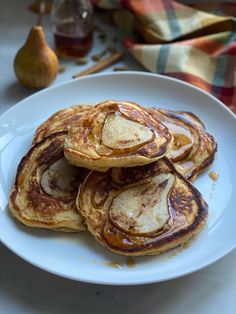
36 64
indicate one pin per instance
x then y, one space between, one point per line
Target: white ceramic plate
78 256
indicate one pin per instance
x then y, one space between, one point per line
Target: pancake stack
119 170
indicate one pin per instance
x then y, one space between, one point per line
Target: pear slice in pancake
193 148
46 186
142 210
60 121
116 134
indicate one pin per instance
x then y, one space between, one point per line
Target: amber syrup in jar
72 46
72 27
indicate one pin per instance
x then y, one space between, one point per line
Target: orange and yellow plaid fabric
185 42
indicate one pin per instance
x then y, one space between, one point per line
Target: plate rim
110 283
139 73
105 281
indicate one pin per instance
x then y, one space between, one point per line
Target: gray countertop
26 289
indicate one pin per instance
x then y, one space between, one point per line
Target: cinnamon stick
101 64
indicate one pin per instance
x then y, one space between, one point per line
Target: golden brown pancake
116 134
60 121
193 148
46 186
142 210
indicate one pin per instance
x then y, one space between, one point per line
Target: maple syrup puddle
214 175
130 262
113 265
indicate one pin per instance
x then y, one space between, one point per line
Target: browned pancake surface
60 121
46 186
116 134
142 210
193 148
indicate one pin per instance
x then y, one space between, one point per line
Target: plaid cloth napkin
167 37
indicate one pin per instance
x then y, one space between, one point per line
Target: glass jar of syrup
72 27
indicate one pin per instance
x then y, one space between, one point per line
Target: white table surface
26 289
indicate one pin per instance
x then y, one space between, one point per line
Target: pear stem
41 12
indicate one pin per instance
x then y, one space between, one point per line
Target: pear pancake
46 186
142 210
193 148
60 121
116 134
